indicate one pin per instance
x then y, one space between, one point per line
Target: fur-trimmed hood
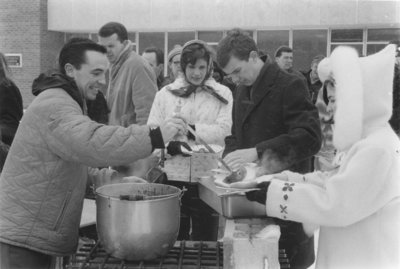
363 92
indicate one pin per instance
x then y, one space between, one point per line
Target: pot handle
183 190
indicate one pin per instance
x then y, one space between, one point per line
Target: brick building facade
23 30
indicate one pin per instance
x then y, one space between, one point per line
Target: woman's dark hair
4 69
74 52
114 28
325 90
193 52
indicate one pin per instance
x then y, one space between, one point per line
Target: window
346 35
151 40
269 41
306 45
383 34
179 38
377 39
210 36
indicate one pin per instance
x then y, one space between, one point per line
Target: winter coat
11 110
395 119
212 119
313 88
43 182
131 90
358 206
279 120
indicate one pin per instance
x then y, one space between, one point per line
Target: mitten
175 148
259 196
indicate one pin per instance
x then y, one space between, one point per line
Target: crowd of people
107 106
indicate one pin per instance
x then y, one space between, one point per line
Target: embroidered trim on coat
287 188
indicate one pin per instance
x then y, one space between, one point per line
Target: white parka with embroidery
358 206
44 179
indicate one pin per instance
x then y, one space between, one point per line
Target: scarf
115 67
186 91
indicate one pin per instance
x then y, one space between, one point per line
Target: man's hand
171 127
240 157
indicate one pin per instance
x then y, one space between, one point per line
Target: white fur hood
363 92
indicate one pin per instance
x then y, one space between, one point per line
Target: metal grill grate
184 254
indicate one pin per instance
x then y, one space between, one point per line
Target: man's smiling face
90 77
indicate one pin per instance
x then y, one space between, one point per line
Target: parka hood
54 79
363 92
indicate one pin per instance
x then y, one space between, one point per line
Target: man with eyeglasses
274 124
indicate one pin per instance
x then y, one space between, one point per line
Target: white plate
197 148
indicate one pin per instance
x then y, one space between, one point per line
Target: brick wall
23 29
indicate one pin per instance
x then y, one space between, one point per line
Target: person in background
132 82
206 106
313 82
358 206
155 57
174 64
275 123
47 170
284 58
395 119
324 159
11 108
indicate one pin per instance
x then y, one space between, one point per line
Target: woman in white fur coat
358 206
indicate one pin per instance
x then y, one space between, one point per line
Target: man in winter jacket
46 172
274 122
132 82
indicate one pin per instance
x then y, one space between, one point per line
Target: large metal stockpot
138 221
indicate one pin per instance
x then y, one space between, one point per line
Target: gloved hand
175 148
259 196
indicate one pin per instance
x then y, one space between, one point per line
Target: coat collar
261 87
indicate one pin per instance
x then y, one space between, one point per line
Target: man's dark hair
238 44
111 28
74 52
281 50
159 54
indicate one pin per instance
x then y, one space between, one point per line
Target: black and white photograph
200 134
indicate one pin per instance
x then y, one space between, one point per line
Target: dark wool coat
279 120
11 110
276 116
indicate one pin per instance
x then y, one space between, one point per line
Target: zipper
62 212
